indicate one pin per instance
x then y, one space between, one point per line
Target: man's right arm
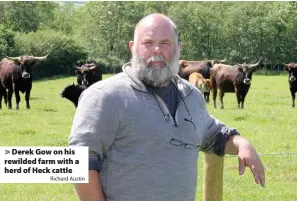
95 125
91 191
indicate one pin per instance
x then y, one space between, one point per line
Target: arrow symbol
7 152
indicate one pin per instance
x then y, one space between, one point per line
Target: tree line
100 31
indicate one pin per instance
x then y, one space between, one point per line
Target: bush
64 51
7 42
108 65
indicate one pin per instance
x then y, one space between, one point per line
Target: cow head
204 85
248 70
85 71
26 63
292 69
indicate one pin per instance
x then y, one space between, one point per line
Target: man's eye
148 42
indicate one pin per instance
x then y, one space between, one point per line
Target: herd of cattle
208 76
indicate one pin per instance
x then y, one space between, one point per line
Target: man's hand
247 156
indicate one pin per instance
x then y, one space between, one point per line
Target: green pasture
268 121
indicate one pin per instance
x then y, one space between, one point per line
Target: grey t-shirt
169 95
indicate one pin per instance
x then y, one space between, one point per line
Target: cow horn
14 58
92 67
224 60
41 58
257 64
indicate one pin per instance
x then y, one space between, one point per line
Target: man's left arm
247 156
221 140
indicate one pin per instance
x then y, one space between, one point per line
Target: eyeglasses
176 142
191 121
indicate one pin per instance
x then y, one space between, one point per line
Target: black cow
72 92
16 76
292 69
235 78
88 74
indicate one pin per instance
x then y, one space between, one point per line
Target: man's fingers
255 173
259 175
262 178
241 166
262 181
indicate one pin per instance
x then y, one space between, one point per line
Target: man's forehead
156 31
153 36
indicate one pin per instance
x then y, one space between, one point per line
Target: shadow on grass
50 110
27 132
58 143
240 118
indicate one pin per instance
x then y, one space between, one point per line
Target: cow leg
214 96
27 97
1 94
17 98
238 97
206 96
4 94
221 94
242 100
293 98
9 97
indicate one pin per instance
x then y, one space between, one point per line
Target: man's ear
179 45
131 44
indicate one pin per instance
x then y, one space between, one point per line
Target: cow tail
213 83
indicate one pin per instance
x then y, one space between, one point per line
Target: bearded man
145 126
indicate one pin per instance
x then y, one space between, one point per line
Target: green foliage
7 42
64 51
25 16
240 31
64 18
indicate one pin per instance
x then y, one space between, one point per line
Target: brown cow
16 76
200 82
186 68
235 78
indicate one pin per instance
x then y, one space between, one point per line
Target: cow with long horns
88 74
232 79
16 76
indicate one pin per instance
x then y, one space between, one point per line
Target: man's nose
157 50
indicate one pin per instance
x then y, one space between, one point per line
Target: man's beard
157 77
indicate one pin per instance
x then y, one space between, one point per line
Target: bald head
154 20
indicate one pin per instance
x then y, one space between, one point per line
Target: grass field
268 121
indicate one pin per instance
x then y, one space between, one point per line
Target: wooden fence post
213 178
